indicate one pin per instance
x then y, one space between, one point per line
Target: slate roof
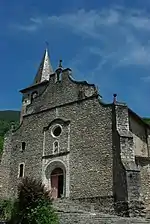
45 69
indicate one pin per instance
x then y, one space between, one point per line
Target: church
80 147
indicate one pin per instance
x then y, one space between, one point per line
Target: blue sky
105 43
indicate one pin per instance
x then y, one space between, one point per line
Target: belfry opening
57 183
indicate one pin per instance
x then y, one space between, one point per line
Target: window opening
56 147
21 170
56 131
34 95
23 146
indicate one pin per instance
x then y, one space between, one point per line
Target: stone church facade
80 147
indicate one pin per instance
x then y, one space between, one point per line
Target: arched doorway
57 182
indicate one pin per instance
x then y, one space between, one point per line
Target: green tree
147 120
43 213
6 207
34 204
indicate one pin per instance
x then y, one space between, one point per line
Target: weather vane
60 63
47 44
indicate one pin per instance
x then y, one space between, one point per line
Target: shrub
30 191
34 204
43 213
6 207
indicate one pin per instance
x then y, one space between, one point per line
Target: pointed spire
45 69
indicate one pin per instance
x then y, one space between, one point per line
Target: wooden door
54 186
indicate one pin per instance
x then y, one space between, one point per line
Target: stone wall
148 139
144 166
5 171
127 156
140 134
119 174
139 137
91 145
61 92
29 95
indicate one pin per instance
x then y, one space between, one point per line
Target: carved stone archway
55 173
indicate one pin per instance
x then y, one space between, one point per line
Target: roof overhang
138 118
34 86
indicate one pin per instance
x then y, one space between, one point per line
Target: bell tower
41 79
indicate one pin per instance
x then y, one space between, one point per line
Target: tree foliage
147 120
6 207
9 115
43 213
30 191
34 204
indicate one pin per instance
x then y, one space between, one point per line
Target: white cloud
119 37
137 55
146 79
32 26
29 28
36 21
118 29
82 22
140 22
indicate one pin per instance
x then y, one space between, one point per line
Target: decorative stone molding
49 165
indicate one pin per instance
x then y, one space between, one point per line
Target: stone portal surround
48 165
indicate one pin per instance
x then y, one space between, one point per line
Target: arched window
23 146
34 95
55 147
58 75
21 170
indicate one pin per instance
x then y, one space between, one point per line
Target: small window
23 146
21 170
34 95
55 147
58 75
56 131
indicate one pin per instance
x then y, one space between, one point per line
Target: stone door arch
56 175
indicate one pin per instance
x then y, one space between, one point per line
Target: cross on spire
60 63
47 44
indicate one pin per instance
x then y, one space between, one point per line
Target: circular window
56 131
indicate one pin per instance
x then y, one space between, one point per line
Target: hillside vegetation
7 118
147 120
10 115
